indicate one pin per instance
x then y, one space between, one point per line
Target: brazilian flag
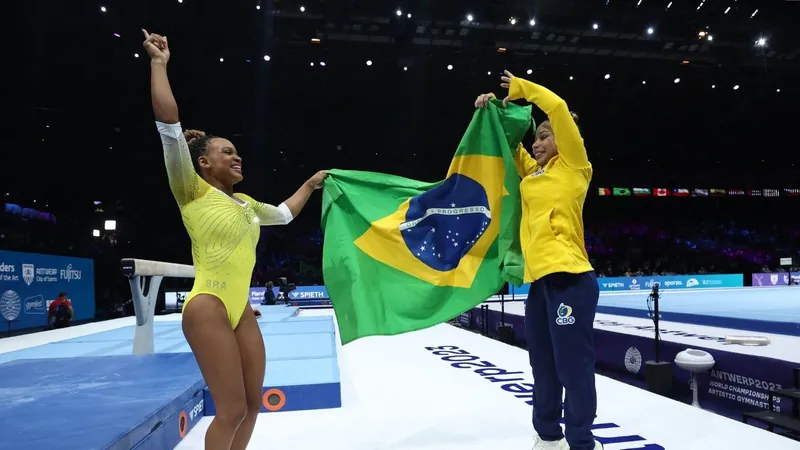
401 255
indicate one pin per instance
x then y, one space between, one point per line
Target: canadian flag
661 192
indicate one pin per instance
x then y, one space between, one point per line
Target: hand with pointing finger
506 80
156 46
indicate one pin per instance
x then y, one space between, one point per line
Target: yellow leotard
224 231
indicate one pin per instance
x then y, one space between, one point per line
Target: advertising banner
775 279
666 282
29 282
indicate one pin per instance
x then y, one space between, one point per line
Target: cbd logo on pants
565 315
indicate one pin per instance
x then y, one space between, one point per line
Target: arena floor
396 394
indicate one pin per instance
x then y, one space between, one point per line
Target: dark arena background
688 110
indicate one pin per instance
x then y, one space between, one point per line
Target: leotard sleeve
268 214
185 183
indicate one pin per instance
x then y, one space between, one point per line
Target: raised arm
290 208
183 180
565 131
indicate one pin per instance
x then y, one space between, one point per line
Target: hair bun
191 135
574 116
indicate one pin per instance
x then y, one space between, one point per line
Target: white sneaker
539 444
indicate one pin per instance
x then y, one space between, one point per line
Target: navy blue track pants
559 317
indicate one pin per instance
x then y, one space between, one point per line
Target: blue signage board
301 293
29 282
666 282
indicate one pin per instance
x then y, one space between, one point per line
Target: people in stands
224 228
61 312
562 301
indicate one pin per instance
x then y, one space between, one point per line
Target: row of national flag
680 192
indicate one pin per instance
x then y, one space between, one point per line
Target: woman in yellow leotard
224 228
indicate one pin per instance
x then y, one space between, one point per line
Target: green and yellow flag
401 255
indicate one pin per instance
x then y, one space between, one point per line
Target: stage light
650 30
713 86
110 225
103 9
96 233
369 63
727 10
761 42
677 80
701 34
222 60
736 88
777 90
322 63
302 9
117 35
489 72
644 82
180 1
513 20
267 58
449 67
501 50
669 5
469 17
315 40
399 13
710 37
595 26
530 71
571 78
608 76
258 6
312 64
754 14
409 15
405 69
135 55
532 22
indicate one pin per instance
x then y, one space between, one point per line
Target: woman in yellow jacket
561 305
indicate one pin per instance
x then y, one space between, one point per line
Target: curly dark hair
198 145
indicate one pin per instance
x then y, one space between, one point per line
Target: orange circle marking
183 424
265 400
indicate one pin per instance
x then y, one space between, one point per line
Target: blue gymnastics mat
107 402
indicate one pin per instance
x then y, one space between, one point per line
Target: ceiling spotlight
267 58
135 55
571 78
469 17
532 22
322 63
312 64
369 63
595 26
302 9
736 88
409 15
530 71
677 80
650 30
710 37
777 90
399 13
669 5
727 10
754 14
513 20
103 9
222 60
449 67
315 40
180 1
608 76
405 68
258 6
713 86
761 42
701 34
644 82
